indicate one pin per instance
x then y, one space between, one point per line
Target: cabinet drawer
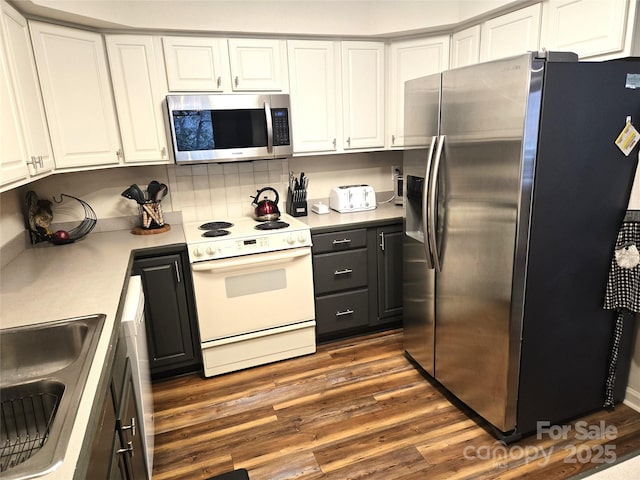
339 241
339 271
341 311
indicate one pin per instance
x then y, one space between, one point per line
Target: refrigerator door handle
433 185
425 205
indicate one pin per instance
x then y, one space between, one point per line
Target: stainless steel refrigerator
515 191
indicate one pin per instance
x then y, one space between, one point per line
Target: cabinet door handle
34 162
349 141
334 143
236 80
393 139
128 450
175 262
163 152
348 311
40 161
382 241
131 426
119 153
344 271
341 242
219 81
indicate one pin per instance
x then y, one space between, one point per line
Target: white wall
200 192
311 17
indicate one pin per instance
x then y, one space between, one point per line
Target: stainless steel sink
43 371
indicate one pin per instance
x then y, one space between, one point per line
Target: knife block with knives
297 195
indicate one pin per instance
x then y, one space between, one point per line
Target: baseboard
632 399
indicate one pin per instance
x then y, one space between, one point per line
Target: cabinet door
172 341
139 93
511 34
314 83
13 167
465 47
585 27
196 64
128 426
363 94
412 59
74 76
389 272
27 91
258 65
102 448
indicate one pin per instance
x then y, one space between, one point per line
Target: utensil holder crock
151 215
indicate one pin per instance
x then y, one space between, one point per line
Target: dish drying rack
25 427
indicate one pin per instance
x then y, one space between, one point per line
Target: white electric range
218 239
253 290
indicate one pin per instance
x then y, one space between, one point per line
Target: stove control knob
301 238
211 251
197 253
291 240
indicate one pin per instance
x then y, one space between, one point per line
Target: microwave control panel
280 119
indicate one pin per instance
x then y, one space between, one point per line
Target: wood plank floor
357 409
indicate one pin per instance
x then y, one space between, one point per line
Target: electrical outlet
395 170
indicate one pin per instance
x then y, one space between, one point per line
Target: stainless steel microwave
226 128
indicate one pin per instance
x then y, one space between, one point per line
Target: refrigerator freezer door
487 167
422 107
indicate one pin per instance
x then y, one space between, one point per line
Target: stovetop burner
271 225
216 233
215 226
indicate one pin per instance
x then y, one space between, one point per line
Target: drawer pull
348 311
341 242
345 271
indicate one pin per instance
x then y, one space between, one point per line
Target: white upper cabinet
202 64
74 77
586 27
12 157
258 64
28 98
197 64
465 47
314 79
511 34
411 59
139 88
363 90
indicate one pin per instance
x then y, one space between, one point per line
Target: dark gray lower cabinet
388 258
357 276
117 452
172 332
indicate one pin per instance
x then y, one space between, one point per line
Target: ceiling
368 18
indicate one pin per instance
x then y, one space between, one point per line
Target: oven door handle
250 261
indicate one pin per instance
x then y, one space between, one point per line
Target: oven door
254 292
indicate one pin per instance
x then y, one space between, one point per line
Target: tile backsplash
218 191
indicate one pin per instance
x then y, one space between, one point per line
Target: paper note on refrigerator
627 139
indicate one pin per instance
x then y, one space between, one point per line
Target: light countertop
47 282
384 211
51 282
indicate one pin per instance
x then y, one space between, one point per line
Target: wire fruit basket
84 227
40 215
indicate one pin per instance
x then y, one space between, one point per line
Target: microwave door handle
267 112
